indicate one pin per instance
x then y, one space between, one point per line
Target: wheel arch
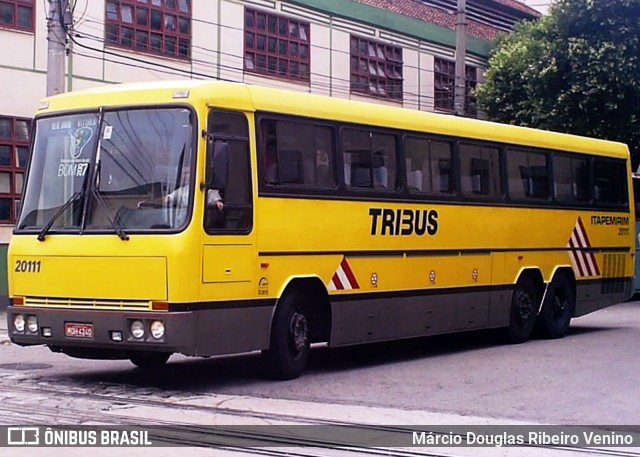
318 304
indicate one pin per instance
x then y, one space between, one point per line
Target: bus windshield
121 171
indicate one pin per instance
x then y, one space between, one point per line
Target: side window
228 194
429 166
369 159
571 179
610 180
296 153
528 175
480 171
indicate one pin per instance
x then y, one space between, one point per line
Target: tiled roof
445 18
516 5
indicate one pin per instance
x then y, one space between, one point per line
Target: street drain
24 366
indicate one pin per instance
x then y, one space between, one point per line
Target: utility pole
461 51
56 48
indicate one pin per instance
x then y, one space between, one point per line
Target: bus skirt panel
101 334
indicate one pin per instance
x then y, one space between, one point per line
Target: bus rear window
610 182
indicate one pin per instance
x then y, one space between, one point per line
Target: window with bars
376 68
276 45
155 26
17 14
445 82
470 83
14 153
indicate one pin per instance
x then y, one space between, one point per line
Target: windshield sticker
79 140
108 131
76 166
69 168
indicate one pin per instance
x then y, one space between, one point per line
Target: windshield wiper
43 233
115 223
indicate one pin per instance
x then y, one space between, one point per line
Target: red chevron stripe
347 271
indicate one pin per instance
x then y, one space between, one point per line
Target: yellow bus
208 218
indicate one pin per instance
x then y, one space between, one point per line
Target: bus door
229 258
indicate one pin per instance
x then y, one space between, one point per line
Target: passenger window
610 179
296 153
571 179
369 159
528 175
429 166
480 171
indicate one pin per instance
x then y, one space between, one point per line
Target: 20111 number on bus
28 266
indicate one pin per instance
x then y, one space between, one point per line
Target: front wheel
524 307
150 360
289 348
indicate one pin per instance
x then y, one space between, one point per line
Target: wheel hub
525 306
298 332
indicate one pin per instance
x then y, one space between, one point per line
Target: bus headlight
157 330
137 329
32 324
19 323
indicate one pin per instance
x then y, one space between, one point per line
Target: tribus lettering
403 221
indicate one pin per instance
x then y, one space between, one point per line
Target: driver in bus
180 196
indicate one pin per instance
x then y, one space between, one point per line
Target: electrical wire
336 85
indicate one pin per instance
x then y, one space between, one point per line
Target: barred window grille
14 154
160 27
276 45
376 68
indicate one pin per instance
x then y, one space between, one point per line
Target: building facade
399 52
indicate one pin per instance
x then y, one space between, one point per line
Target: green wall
403 25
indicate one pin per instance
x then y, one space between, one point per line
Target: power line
343 88
334 85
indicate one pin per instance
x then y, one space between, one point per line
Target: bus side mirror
217 164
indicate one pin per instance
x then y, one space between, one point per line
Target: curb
4 336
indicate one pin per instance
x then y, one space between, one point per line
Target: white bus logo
23 436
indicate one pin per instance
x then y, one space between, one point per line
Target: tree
576 70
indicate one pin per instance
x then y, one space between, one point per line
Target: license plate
74 330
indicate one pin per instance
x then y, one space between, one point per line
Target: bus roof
247 97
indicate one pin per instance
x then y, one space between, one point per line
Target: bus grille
613 274
75 303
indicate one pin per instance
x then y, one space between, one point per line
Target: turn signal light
160 306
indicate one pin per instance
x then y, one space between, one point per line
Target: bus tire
290 344
150 360
556 314
522 314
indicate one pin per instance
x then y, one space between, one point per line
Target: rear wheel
289 349
524 306
555 318
150 360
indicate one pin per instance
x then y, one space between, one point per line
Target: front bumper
102 333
